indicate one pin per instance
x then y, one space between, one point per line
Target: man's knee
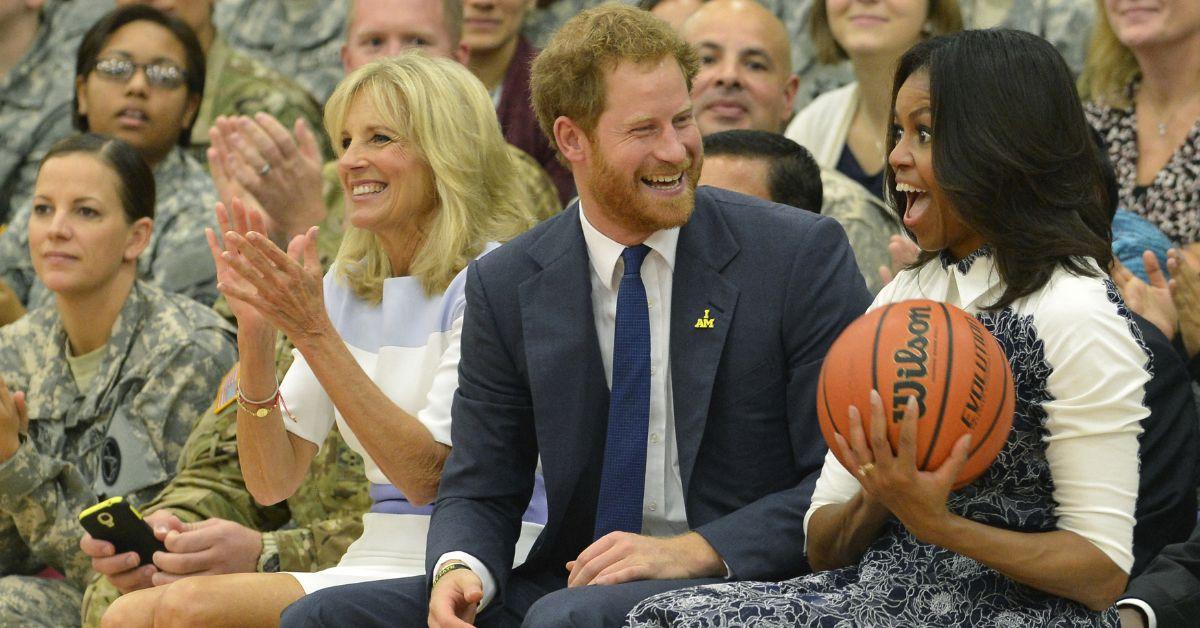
582 607
305 612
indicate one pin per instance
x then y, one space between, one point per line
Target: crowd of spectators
402 311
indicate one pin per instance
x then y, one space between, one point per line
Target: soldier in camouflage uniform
177 259
756 162
1065 23
301 39
121 436
35 96
868 221
235 83
238 84
325 513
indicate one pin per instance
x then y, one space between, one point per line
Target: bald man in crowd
746 82
745 79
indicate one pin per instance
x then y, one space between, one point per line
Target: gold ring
866 468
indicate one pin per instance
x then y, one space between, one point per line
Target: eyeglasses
158 74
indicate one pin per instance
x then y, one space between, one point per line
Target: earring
927 29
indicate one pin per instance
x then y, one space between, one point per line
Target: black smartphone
115 521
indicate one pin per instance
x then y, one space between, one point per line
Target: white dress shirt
663 511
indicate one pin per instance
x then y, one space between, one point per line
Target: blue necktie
623 478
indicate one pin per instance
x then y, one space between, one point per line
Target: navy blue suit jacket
780 283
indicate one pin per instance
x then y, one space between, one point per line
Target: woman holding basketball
992 169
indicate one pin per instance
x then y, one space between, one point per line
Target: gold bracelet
266 406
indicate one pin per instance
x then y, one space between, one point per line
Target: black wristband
447 568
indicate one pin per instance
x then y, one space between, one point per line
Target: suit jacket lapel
702 310
566 374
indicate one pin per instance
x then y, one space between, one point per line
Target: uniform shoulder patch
227 391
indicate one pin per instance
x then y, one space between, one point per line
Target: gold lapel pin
704 322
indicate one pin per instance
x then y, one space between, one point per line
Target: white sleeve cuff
1151 620
485 576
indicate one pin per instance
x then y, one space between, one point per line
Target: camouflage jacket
121 437
177 259
35 97
237 84
1065 23
301 39
868 221
548 15
325 514
313 528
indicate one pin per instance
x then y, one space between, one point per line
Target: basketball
935 352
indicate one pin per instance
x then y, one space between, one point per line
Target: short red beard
624 203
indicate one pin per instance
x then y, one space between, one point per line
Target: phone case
115 521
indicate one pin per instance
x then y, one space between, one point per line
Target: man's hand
624 557
14 421
210 547
455 599
122 569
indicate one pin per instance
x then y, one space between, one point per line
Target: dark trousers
531 601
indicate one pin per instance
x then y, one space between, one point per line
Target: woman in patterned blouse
1143 80
1009 208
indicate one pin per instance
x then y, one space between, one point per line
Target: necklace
1161 126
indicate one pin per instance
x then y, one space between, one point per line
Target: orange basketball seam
999 410
937 428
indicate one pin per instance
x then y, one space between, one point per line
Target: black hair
99 34
793 178
137 180
1013 154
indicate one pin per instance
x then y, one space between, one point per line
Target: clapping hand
1185 292
272 170
237 218
284 288
1152 300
